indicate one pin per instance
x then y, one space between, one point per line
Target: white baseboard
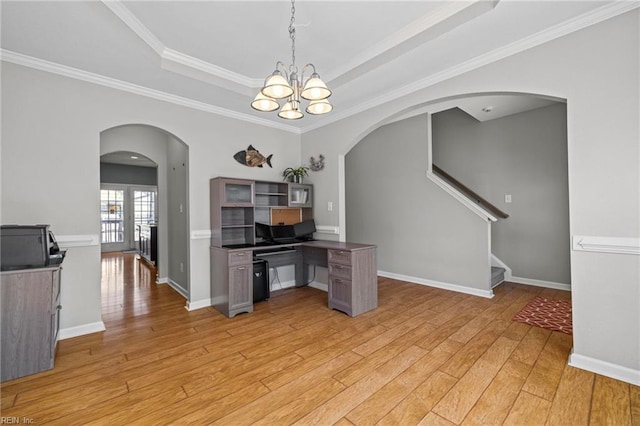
320 286
540 283
445 286
198 304
174 285
81 330
162 280
614 371
275 286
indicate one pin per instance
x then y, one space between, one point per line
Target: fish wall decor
251 157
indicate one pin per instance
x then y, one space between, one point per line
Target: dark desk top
323 244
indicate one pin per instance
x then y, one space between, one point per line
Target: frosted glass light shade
315 89
264 104
319 107
290 111
277 87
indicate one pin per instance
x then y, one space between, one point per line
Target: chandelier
283 83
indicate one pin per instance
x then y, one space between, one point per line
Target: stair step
497 275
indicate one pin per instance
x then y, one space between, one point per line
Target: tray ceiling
213 55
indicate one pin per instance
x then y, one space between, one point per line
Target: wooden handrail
468 192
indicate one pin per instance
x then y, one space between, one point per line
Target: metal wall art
316 165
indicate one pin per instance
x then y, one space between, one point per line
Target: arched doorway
399 167
128 198
171 157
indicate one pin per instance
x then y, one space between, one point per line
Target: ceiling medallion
283 83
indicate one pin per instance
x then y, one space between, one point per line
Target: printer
28 246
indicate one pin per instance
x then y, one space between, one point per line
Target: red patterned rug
547 313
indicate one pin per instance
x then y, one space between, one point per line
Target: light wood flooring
425 356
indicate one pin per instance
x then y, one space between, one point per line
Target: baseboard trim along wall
540 283
319 286
198 304
81 330
614 371
174 285
488 294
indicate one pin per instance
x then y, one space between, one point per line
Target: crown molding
173 60
66 71
130 20
423 29
583 21
590 18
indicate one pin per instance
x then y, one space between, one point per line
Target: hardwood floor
425 356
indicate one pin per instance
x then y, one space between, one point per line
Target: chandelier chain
292 35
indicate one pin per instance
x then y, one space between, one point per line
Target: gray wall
45 120
178 212
420 231
128 175
597 70
524 155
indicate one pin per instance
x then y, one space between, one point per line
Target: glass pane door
112 215
122 209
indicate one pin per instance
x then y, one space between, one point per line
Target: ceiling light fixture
283 83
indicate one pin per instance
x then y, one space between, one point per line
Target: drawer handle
338 280
242 268
241 254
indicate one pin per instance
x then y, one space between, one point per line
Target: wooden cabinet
231 281
30 320
353 283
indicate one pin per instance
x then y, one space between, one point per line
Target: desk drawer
339 256
340 271
240 257
340 292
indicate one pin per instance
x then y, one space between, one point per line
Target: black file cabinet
261 289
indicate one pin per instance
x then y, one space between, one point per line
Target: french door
122 209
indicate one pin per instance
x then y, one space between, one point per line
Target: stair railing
468 192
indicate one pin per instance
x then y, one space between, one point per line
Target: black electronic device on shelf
303 231
286 234
28 246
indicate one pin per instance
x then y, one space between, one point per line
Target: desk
352 272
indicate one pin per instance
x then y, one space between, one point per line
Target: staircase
497 275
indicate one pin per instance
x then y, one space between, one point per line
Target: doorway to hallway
122 209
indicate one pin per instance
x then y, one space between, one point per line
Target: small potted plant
295 174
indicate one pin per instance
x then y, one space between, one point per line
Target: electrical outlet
181 267
507 198
330 206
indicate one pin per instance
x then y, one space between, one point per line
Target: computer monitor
304 230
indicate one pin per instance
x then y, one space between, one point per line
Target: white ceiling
214 55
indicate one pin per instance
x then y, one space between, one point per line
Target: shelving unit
268 195
236 204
